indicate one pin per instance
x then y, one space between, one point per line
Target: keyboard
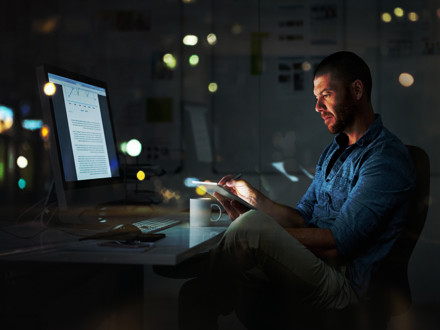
153 225
145 226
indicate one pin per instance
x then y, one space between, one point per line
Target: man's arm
318 240
286 216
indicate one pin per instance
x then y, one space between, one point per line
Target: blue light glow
22 183
189 182
32 124
6 112
6 118
280 167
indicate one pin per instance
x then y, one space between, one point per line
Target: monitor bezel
81 193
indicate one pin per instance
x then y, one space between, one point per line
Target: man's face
335 103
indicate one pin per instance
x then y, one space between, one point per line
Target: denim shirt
363 200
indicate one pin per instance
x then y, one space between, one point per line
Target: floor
161 309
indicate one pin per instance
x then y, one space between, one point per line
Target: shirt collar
371 133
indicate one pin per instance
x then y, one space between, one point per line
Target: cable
22 236
40 231
40 216
28 210
45 200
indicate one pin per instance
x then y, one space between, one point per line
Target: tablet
213 187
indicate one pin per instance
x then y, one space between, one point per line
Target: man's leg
256 247
256 241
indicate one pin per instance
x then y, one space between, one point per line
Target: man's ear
357 89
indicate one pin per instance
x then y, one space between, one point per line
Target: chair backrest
394 273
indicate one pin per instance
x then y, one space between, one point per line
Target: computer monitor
83 148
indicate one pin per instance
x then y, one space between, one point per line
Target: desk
181 242
55 261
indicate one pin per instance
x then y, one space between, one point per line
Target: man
324 253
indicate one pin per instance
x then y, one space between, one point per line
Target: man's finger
226 203
239 207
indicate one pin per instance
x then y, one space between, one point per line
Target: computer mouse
126 228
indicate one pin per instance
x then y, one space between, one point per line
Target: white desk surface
54 245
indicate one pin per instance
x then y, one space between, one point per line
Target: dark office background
238 101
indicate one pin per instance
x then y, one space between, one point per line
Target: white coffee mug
200 212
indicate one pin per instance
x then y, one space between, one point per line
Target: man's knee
248 231
251 223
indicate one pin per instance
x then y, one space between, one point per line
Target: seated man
324 253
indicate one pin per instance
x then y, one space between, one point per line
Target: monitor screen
82 141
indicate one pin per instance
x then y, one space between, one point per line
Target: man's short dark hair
348 67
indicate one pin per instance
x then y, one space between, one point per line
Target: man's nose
319 106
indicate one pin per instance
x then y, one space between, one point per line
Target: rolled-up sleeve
306 205
380 191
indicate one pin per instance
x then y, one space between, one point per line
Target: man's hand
286 216
240 188
232 207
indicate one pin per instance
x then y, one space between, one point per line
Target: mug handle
219 210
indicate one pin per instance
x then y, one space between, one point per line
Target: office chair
265 308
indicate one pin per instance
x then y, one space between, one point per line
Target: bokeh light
44 132
168 195
413 16
123 147
134 148
22 162
170 61
213 87
190 40
49 89
406 79
6 118
140 175
189 182
386 17
32 124
2 171
193 60
212 39
399 12
201 190
22 183
306 66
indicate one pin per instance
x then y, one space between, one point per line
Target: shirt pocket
337 192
